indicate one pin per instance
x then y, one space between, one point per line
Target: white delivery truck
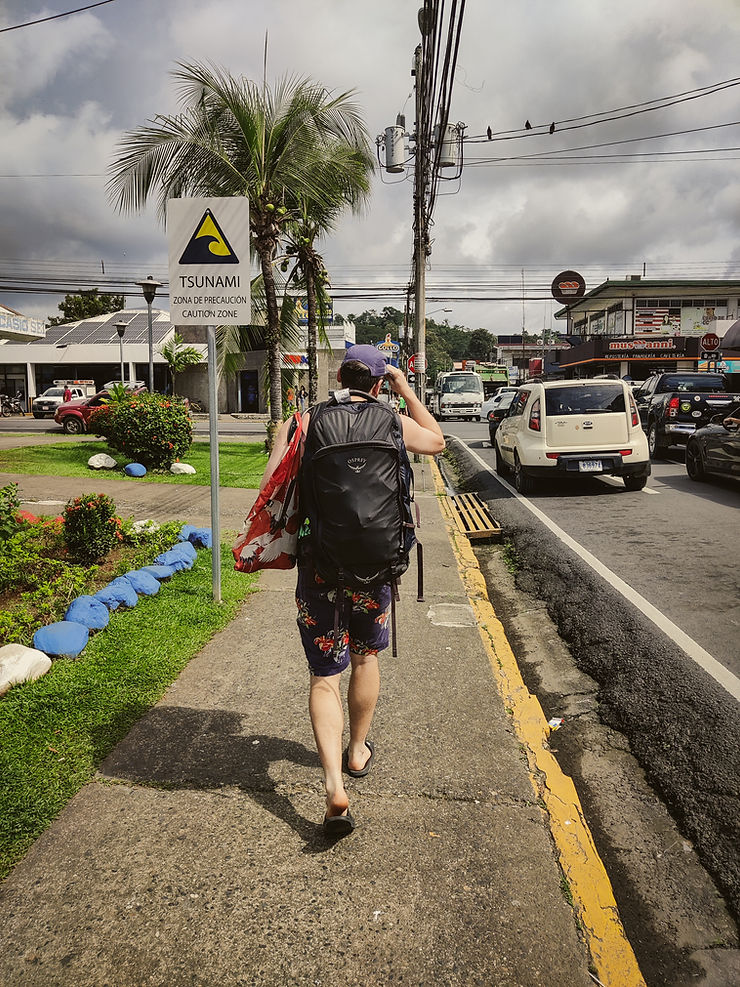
46 404
458 394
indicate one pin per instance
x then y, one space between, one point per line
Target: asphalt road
677 545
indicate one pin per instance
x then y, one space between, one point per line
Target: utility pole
438 146
420 233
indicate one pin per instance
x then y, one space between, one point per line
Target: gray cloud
72 86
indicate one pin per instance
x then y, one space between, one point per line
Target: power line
616 143
52 175
54 17
607 116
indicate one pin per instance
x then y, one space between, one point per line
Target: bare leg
327 719
362 696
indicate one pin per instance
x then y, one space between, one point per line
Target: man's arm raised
421 433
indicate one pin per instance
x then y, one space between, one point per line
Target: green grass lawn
55 732
241 464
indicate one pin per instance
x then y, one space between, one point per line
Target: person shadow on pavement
176 747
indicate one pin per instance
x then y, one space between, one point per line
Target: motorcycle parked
11 406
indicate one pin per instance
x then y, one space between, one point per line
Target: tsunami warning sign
208 242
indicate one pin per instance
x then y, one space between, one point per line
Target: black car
715 448
499 411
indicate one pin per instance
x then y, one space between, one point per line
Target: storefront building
32 358
15 327
636 327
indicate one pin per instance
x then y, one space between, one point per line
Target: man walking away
364 630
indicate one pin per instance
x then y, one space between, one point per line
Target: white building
32 358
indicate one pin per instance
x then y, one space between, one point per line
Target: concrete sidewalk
196 856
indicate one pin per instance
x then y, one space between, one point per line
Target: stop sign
415 364
710 341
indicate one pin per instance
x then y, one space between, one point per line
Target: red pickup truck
75 415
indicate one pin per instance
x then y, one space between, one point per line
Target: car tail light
635 416
625 452
673 407
534 416
552 455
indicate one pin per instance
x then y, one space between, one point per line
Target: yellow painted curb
593 899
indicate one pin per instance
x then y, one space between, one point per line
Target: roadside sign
568 287
710 341
208 240
390 349
417 364
712 355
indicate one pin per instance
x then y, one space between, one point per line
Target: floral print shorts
363 621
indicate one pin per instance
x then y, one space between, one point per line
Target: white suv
568 428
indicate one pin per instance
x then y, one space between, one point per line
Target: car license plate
590 466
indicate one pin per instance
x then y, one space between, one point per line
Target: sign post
208 241
215 477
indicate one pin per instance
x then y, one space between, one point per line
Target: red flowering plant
91 526
147 428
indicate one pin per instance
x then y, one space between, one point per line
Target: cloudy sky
71 86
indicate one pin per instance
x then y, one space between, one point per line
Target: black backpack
356 488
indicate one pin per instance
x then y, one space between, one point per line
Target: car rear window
599 399
701 384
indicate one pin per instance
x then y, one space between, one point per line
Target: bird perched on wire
489 133
527 125
552 127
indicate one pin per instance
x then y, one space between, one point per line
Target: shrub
37 585
9 504
152 429
91 526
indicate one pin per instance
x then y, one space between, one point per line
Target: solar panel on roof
102 329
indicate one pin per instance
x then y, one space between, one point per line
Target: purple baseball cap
369 355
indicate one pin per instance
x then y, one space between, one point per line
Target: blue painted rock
159 571
182 556
143 582
134 469
88 611
65 639
200 537
118 592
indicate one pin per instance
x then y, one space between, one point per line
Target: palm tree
350 172
237 138
310 276
179 356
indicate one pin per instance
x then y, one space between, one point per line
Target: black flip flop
366 770
338 826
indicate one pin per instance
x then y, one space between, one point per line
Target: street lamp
121 329
149 287
435 310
